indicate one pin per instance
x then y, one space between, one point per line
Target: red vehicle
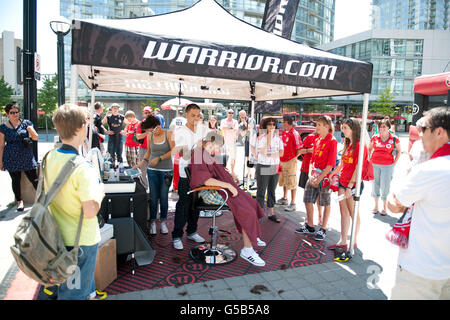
303 130
429 91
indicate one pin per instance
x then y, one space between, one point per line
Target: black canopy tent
205 52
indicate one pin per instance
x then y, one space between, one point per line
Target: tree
384 104
5 94
48 98
149 102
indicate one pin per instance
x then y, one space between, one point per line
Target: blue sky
351 16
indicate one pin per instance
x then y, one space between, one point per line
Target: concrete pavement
369 275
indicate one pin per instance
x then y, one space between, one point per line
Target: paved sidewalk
369 275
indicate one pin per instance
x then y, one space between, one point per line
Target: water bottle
121 168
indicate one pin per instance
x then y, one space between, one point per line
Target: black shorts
303 179
361 190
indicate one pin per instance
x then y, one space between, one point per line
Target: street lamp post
61 28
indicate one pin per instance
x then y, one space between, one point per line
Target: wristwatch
160 159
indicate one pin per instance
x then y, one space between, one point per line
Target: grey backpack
39 248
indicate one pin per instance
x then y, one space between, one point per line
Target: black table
123 205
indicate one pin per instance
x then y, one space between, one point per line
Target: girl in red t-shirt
347 170
381 150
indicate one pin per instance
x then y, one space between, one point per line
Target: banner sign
279 18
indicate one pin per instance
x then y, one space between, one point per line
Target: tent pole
359 172
73 84
91 118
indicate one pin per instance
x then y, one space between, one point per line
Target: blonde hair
129 114
326 120
67 119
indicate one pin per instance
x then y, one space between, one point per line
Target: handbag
399 234
211 196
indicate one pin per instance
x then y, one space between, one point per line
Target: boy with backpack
81 194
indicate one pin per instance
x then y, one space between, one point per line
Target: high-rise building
411 14
10 50
398 56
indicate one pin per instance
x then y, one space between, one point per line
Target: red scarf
442 151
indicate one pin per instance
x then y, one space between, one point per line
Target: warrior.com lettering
235 60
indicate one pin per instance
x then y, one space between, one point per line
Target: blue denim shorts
81 284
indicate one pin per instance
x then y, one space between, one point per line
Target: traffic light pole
29 50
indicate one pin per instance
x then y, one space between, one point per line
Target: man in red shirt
292 149
322 162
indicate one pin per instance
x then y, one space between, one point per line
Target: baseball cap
115 105
148 109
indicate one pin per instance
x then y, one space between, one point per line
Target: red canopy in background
432 85
399 118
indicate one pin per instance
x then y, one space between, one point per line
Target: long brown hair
355 126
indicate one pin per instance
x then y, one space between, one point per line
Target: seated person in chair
205 170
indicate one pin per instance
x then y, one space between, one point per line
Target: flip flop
375 211
383 213
274 218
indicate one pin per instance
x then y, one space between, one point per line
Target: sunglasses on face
271 124
14 112
425 128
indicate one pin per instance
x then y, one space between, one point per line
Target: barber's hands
1 166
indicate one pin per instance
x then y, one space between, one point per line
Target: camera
27 142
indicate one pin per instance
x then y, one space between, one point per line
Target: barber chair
213 253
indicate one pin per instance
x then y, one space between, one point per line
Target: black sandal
274 218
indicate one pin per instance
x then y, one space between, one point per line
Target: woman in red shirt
381 150
347 179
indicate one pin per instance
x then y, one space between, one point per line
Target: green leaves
48 95
384 104
5 94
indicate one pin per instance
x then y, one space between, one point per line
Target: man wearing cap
115 125
230 129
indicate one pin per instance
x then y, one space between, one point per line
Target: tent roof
204 51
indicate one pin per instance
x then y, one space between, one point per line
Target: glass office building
411 14
396 62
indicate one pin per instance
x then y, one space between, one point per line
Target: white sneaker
177 244
251 256
164 229
260 242
196 237
153 228
290 207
